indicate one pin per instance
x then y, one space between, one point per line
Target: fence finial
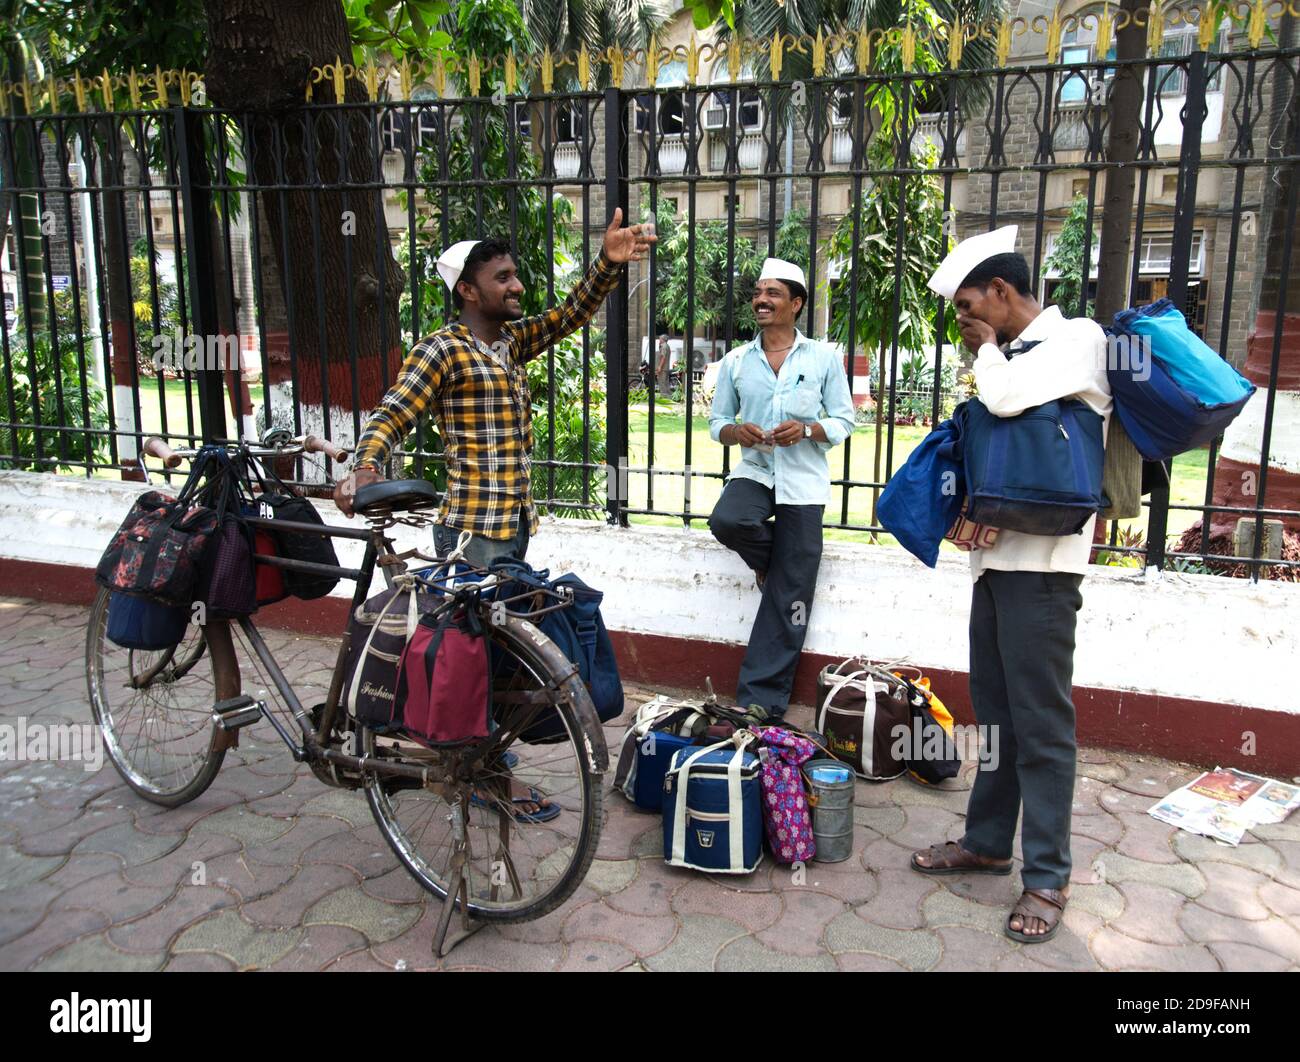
340 92
1258 23
819 54
908 42
512 74
1105 26
78 90
1209 26
956 41
548 70
615 55
133 88
776 55
52 87
404 79
160 85
372 80
1004 42
652 61
1054 29
584 68
1155 27
864 50
735 60
692 60
106 90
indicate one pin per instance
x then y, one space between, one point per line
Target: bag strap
354 686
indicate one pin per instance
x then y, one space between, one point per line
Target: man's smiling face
773 304
496 289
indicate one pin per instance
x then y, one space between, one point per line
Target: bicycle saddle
394 494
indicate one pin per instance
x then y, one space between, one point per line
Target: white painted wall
1196 637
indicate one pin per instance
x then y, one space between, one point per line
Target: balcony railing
749 150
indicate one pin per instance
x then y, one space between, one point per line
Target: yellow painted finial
1105 29
160 85
1054 29
1258 23
1155 27
584 68
692 60
908 44
615 54
106 89
652 61
512 74
340 91
133 88
776 56
819 54
864 50
79 90
1004 42
956 41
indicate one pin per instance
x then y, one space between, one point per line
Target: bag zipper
708 816
1046 416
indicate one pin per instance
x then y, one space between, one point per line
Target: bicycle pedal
236 712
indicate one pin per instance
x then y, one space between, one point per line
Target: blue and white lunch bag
713 811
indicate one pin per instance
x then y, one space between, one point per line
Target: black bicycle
457 818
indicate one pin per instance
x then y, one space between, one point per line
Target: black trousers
785 541
1021 666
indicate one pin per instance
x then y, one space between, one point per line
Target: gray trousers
785 541
1021 666
482 551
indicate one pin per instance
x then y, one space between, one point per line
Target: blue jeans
483 551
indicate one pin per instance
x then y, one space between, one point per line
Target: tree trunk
260 59
1123 468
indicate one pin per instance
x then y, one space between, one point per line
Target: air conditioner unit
715 117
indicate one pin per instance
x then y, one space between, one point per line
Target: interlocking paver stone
697 945
377 919
1275 934
971 949
942 908
96 953
1115 951
1181 877
247 946
754 910
287 905
803 922
1151 913
1252 855
748 954
152 933
915 950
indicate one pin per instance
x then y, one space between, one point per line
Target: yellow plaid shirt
482 407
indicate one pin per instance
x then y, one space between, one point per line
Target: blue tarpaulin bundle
1172 392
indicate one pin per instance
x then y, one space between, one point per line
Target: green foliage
169 311
872 261
51 373
1128 538
914 401
706 12
1068 255
404 26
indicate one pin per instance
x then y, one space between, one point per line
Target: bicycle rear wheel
154 710
517 870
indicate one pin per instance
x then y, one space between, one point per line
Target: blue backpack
1181 394
1038 472
144 624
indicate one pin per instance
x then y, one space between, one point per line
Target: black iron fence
202 273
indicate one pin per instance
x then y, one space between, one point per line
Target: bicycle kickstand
457 889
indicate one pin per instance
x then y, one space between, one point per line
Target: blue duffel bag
922 500
140 623
713 810
1038 472
1175 393
579 632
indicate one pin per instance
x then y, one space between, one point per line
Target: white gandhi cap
452 261
967 255
779 269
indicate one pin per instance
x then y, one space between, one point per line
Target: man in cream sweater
1026 593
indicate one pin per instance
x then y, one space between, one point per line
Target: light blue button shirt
810 387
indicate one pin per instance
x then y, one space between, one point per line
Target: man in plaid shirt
472 375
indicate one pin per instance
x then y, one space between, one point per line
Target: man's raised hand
345 490
631 244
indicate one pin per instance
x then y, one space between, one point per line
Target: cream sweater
1069 361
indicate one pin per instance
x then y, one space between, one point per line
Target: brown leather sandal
951 858
1045 904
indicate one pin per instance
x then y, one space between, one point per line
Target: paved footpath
297 877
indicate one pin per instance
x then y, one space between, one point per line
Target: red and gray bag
444 685
157 551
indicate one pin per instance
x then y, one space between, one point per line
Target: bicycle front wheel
154 710
518 866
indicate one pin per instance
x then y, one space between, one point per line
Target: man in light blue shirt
785 401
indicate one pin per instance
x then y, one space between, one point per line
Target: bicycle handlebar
312 444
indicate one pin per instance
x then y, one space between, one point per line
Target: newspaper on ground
1224 804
